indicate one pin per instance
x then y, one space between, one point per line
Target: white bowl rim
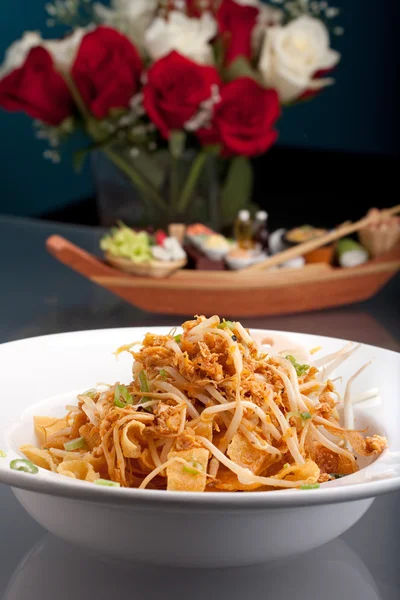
201 501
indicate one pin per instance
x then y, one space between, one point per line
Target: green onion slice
303 415
300 369
143 381
144 387
75 444
312 486
178 338
107 483
226 325
193 468
24 465
163 373
3 454
337 475
122 397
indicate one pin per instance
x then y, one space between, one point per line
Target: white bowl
175 528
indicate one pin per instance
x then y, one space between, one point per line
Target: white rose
187 36
291 55
18 51
268 16
63 51
131 17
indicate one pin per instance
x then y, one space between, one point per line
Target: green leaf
213 149
177 142
191 181
219 53
115 113
79 158
241 67
238 189
67 126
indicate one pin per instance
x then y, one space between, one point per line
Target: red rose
244 119
175 88
37 89
236 24
314 92
107 71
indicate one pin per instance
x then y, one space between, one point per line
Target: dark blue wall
356 115
30 184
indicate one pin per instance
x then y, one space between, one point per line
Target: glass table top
38 296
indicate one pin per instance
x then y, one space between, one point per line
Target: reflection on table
55 570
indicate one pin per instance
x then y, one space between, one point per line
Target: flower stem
173 187
91 126
148 192
191 181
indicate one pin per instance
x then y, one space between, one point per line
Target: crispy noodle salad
209 410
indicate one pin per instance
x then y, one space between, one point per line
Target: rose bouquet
163 88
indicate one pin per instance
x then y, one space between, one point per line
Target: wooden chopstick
336 234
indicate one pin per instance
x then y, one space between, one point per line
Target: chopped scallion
302 415
163 373
144 382
337 475
75 444
300 369
24 465
226 325
90 393
107 483
122 397
193 468
305 416
3 454
178 338
144 387
312 486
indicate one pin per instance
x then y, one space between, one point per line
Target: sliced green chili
24 465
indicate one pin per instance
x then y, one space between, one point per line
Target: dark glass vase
119 199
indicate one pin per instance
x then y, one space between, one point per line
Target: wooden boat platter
235 294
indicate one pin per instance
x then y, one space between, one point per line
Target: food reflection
53 569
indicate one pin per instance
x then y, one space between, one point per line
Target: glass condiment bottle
261 233
244 230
